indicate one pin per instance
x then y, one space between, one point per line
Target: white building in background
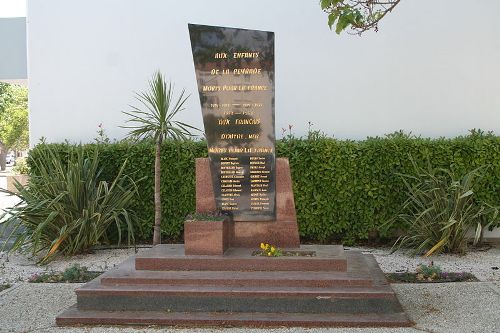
432 69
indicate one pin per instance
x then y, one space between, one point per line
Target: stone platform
282 232
164 287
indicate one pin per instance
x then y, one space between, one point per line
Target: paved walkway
450 307
5 201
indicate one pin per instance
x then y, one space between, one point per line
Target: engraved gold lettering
231 136
245 55
244 71
251 121
211 88
220 55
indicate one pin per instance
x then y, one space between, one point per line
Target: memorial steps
232 319
305 291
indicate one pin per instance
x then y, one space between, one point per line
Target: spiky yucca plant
66 208
441 209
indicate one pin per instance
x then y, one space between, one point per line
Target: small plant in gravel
430 273
4 286
73 274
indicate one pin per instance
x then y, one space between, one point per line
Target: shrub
21 167
441 208
66 208
343 189
348 189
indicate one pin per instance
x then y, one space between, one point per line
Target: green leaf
326 3
332 17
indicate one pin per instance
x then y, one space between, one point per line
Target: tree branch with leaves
13 119
358 15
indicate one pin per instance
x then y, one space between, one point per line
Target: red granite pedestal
206 237
283 232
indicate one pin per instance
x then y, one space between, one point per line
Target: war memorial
219 277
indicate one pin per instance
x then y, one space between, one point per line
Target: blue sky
12 8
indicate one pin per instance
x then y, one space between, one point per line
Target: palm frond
154 117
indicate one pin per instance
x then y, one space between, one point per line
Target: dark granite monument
217 278
235 73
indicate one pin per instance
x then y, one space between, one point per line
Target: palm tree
154 120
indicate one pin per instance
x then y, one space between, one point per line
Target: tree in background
13 119
154 120
359 15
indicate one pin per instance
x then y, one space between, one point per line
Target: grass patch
4 286
73 274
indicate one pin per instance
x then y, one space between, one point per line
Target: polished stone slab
235 75
172 257
282 232
74 316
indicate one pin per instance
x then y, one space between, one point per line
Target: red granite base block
283 232
73 316
171 257
206 237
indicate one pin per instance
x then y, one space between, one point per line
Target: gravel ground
452 307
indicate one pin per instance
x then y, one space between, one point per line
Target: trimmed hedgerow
350 188
343 189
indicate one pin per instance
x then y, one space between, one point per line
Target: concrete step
236 279
331 289
74 316
171 257
206 298
97 289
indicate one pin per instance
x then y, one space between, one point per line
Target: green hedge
343 189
